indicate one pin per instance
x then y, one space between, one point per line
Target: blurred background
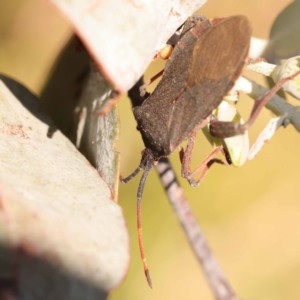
250 215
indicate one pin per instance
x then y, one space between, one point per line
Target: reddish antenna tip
147 274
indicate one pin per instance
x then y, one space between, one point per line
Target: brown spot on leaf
16 130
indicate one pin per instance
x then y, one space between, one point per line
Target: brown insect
201 70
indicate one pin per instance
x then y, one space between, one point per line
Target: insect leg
148 82
229 129
186 156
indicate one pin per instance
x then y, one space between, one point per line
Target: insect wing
155 116
218 59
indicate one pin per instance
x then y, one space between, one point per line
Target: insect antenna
131 176
146 164
147 170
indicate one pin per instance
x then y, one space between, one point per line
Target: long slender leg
186 157
229 129
148 82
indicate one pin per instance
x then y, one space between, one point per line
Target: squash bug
201 70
